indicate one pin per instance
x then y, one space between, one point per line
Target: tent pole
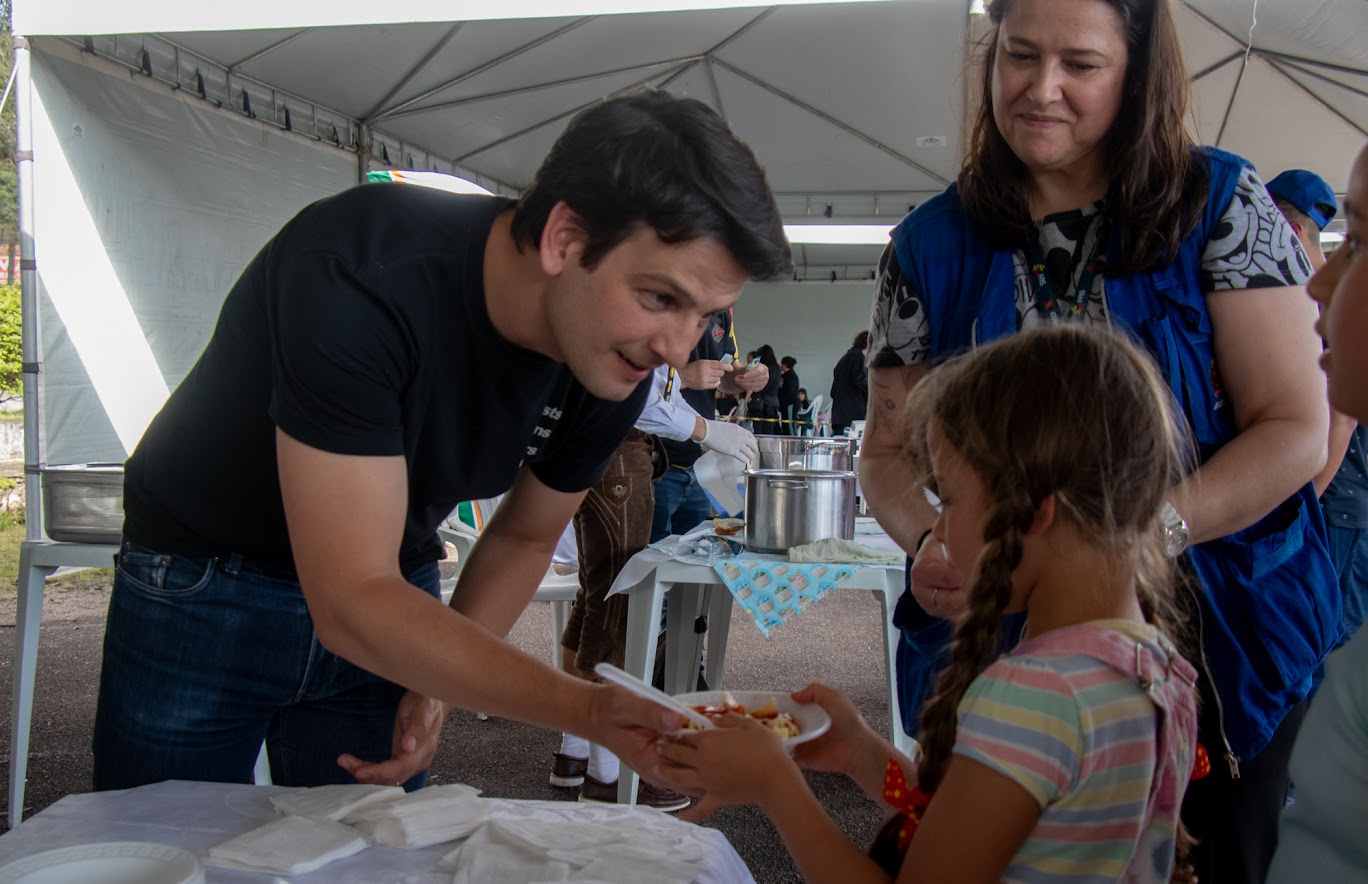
28 286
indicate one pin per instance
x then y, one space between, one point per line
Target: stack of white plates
117 862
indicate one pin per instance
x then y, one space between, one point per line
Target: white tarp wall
147 207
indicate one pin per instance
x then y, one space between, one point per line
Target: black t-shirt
788 389
717 341
849 388
362 329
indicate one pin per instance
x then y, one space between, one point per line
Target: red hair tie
909 802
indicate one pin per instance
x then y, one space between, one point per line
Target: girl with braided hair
1067 757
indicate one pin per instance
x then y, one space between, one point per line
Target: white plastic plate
812 719
115 862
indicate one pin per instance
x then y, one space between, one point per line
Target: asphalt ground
837 641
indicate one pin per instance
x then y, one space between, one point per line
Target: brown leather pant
612 525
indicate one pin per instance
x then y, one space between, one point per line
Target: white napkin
428 816
289 846
627 869
835 549
720 476
480 863
333 802
614 850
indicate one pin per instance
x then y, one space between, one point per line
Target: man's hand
937 585
705 374
417 725
731 439
751 380
629 726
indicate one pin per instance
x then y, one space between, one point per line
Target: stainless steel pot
786 508
84 503
803 453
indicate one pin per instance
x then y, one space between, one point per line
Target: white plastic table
689 588
37 560
197 816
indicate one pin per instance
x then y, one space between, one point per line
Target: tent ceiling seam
717 93
1311 62
232 68
549 84
1211 69
1362 93
486 66
663 84
741 30
413 71
558 117
1321 101
823 115
1230 105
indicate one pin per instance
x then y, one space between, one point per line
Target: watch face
1175 539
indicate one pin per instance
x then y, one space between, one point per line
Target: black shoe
648 795
568 771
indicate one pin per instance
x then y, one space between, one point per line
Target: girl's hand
739 762
849 738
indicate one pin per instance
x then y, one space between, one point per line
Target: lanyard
1047 303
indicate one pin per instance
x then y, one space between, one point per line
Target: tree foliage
11 344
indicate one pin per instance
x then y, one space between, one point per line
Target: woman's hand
739 762
937 585
848 740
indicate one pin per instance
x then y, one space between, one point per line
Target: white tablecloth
197 816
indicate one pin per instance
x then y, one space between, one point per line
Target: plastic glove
730 439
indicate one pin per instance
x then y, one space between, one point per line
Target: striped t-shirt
1098 723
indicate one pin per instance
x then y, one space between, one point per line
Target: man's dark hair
788 362
667 162
861 340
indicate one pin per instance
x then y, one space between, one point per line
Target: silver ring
933 597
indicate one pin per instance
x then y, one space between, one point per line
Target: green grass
11 535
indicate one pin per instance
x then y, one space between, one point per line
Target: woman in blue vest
1082 198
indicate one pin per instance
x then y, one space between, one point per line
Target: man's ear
1044 516
562 240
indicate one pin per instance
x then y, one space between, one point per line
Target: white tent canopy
170 139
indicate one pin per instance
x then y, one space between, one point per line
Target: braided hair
1073 412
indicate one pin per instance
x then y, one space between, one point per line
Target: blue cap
1308 193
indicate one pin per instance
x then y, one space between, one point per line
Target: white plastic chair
558 590
821 415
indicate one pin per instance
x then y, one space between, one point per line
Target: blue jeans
204 659
680 503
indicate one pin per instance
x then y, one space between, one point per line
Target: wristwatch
1175 530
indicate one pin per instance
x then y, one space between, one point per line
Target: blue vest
1270 603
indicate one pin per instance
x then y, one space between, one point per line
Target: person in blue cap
1309 204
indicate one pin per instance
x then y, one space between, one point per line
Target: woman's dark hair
767 358
666 162
1157 181
802 392
788 362
861 340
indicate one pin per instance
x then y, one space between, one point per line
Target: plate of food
791 721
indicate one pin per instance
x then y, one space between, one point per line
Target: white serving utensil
609 672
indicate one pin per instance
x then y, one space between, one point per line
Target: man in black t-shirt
391 352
